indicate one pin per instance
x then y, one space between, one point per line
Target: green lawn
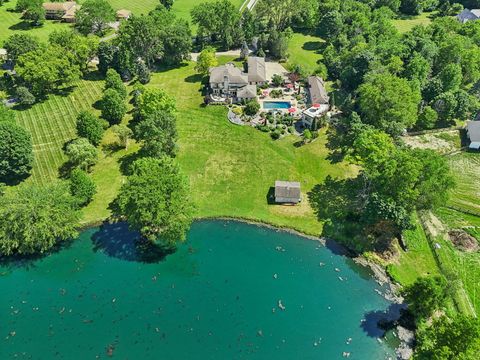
417 261
305 50
11 22
407 24
52 123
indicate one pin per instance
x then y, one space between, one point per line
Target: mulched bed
463 241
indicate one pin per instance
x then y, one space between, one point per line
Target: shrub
277 80
291 129
82 187
275 134
25 97
252 107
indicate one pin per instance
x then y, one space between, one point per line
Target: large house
227 82
468 15
61 10
257 70
287 192
473 132
319 103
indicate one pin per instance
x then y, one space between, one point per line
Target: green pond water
217 297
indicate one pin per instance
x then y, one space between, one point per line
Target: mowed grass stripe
52 123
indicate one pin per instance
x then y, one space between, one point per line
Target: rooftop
318 93
59 6
473 131
234 74
287 189
257 71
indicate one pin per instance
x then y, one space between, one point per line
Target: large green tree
449 338
90 127
33 219
158 133
94 16
114 81
113 106
206 60
18 44
82 187
47 69
153 100
16 152
389 103
426 295
155 200
81 153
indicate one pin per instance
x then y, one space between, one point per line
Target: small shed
3 54
473 132
287 192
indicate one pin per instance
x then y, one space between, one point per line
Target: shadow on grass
93 76
164 68
312 45
197 78
127 161
118 241
24 26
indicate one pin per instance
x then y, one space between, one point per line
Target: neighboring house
61 10
226 80
319 101
257 70
123 14
468 15
473 132
287 192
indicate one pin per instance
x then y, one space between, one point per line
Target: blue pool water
276 105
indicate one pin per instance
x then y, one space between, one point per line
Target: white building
473 132
468 15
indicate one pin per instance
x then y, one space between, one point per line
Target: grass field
418 261
52 123
11 22
305 50
407 24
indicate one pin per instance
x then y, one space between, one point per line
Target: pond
271 105
232 291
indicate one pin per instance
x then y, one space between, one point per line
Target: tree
33 218
114 81
6 114
426 295
427 119
155 201
35 13
19 44
81 153
451 77
82 187
278 13
82 48
218 21
16 152
252 107
142 71
167 3
153 100
107 56
24 96
158 132
449 338
94 16
389 103
206 60
123 133
47 69
245 51
412 7
113 106
277 80
89 127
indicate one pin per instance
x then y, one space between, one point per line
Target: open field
305 50
11 22
406 24
52 123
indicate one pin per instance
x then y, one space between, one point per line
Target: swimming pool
277 105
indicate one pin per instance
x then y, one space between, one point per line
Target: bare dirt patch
444 142
463 241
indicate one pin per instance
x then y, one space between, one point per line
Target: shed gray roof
473 130
257 70
247 92
235 75
318 93
467 15
287 189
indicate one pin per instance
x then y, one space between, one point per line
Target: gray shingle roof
318 93
247 92
473 130
257 71
235 75
287 189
